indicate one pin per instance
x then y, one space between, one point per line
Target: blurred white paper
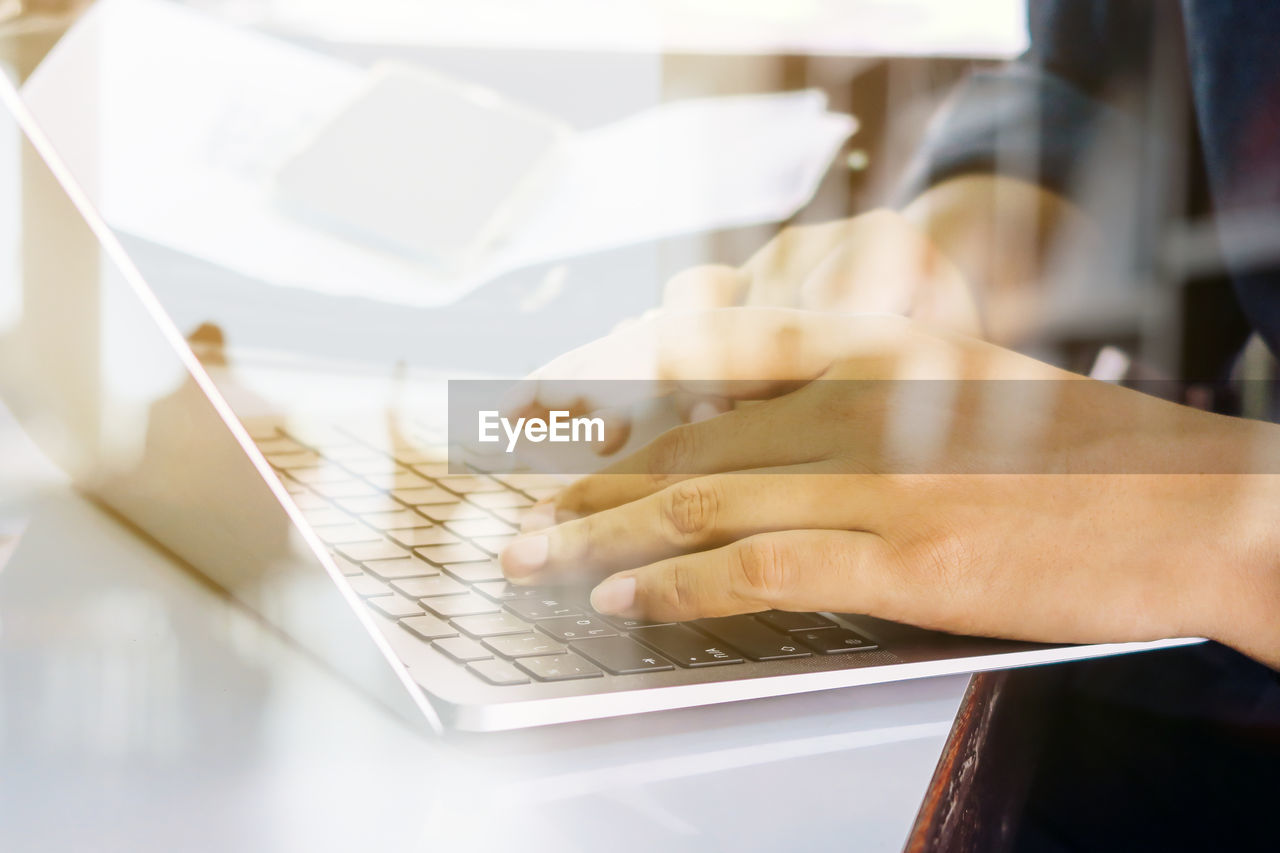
174 122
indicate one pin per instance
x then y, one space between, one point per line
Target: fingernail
525 555
538 517
703 410
615 595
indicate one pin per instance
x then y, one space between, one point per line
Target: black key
784 620
490 625
685 646
475 572
463 649
831 641
428 587
498 672
467 604
569 628
752 638
547 607
395 606
524 646
558 668
624 623
621 655
429 627
503 591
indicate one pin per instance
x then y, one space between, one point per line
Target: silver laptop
354 538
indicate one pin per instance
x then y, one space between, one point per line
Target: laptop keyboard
419 545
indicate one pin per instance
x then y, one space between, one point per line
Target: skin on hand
959 258
1105 515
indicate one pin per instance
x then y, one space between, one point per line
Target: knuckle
673 452
689 511
675 593
764 568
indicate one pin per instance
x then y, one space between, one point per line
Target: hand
1057 509
877 262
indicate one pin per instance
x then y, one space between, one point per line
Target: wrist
1240 591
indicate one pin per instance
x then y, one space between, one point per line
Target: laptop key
575 628
475 572
380 550
752 638
489 624
307 500
347 489
501 590
472 527
624 623
498 672
323 474
428 495
465 485
463 649
367 587
534 609
347 534
452 511
832 641
428 627
369 463
559 668
493 544
428 587
500 500
370 503
784 620
398 480
288 461
621 655
347 567
404 567
524 645
427 534
399 519
685 646
466 604
325 516
395 606
460 552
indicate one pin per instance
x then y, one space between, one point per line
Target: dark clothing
1173 99
1178 105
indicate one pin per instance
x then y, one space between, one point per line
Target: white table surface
139 710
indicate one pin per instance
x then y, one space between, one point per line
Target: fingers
763 436
791 570
777 269
702 287
694 515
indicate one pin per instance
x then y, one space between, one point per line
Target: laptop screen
104 383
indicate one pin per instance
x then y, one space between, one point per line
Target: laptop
355 538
